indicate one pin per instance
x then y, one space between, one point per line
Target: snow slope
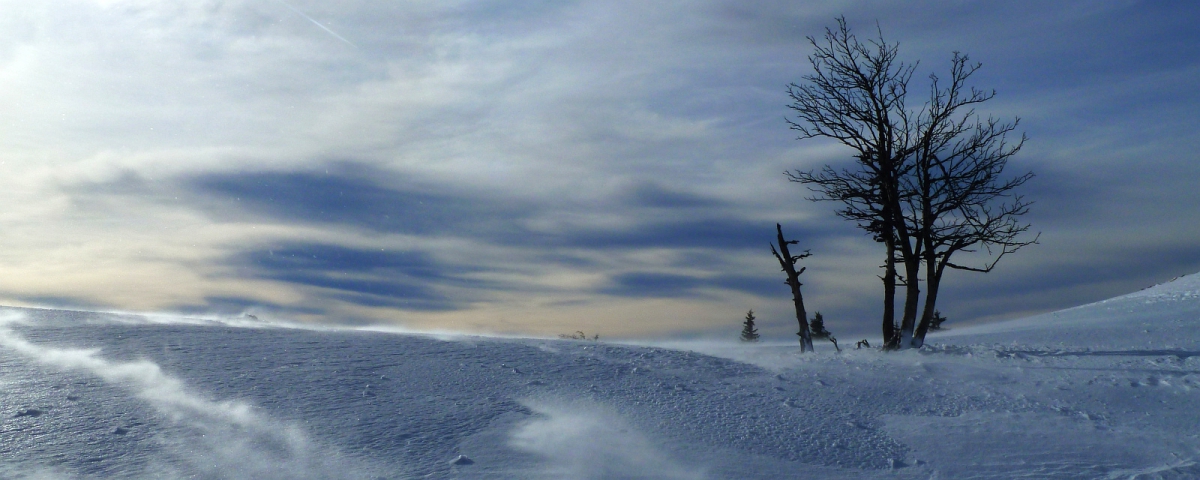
1108 390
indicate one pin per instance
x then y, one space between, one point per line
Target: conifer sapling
818 327
819 330
749 333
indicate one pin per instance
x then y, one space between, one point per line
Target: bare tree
788 262
926 183
856 96
960 198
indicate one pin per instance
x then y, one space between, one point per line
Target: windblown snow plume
591 441
231 440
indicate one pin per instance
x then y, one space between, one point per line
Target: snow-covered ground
1107 390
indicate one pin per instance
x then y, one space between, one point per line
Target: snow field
1108 390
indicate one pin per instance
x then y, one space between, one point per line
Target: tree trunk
787 261
910 254
805 335
889 297
935 281
897 237
912 292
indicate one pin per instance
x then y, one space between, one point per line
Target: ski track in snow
1107 390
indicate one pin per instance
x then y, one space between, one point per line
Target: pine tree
818 327
749 333
819 331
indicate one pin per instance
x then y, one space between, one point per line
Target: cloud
428 278
407 280
361 197
367 198
653 284
656 284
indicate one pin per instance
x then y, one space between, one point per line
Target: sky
614 167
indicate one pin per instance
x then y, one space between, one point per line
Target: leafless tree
960 198
927 183
856 96
788 263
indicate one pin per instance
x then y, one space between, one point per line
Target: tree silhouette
819 330
935 323
856 96
926 183
788 262
818 326
749 333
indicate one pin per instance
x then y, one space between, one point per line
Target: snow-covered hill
1108 390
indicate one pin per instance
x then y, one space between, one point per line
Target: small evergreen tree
749 333
819 331
935 323
818 327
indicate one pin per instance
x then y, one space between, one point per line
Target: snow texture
1107 390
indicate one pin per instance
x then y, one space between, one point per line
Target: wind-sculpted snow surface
1109 390
225 439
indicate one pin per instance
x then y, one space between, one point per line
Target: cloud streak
318 24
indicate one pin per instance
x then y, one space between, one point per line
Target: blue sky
544 167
